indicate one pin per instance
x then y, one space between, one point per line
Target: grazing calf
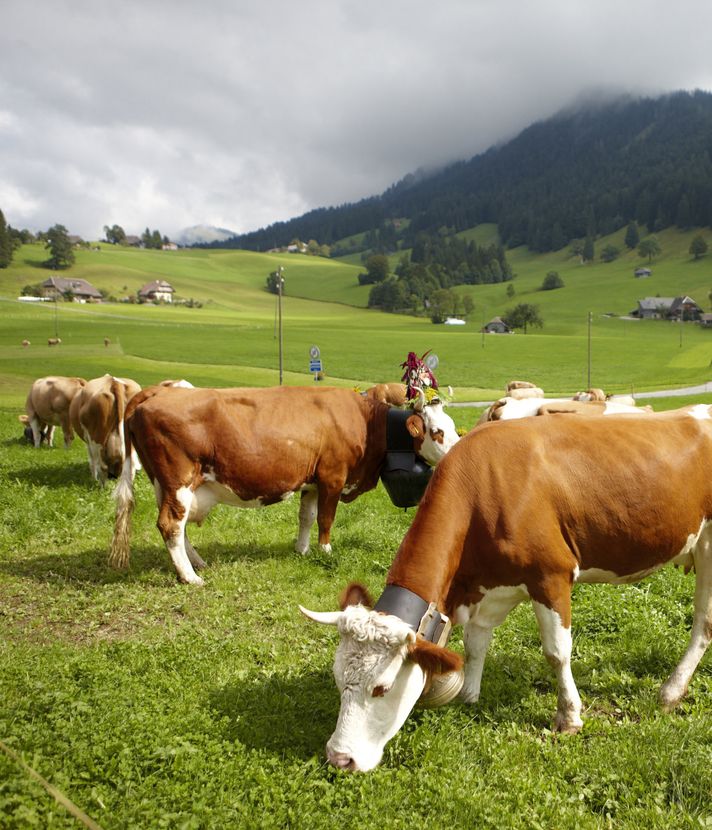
53 341
47 406
256 447
97 414
522 511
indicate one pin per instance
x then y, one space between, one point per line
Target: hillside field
231 340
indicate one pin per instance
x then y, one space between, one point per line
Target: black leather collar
423 617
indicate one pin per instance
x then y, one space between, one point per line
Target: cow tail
124 493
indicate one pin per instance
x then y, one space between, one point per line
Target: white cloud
168 115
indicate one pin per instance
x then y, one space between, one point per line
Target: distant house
81 290
169 246
667 308
706 321
158 290
642 272
496 326
76 241
133 241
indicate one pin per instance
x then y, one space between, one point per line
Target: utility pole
589 350
280 283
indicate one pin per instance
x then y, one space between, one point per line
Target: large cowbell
403 474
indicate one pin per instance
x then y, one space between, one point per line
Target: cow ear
355 594
434 659
414 425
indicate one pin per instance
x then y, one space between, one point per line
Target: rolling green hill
231 340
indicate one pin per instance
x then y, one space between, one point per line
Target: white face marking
437 422
372 653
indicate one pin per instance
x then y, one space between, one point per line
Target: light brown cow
591 395
506 409
53 341
256 447
393 394
97 414
47 407
25 343
520 511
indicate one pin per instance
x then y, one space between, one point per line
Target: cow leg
50 435
675 687
196 560
172 519
36 428
328 501
485 616
67 432
556 642
307 517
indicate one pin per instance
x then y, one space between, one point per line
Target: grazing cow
47 406
97 415
521 511
390 393
25 343
506 409
53 341
107 342
255 447
591 395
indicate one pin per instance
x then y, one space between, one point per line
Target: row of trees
56 239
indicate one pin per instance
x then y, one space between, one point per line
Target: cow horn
324 617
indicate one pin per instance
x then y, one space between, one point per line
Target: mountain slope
586 171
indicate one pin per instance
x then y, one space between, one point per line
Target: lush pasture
231 339
151 704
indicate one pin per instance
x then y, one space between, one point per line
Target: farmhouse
156 291
667 308
80 290
706 321
496 326
641 273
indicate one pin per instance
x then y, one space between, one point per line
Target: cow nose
340 760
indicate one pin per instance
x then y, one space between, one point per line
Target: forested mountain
587 171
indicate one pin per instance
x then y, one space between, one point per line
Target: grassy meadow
154 705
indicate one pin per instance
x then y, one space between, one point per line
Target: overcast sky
237 114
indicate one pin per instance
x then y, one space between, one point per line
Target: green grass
151 704
231 340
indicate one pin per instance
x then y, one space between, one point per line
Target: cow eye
379 691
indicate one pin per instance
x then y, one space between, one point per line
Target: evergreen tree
60 248
6 247
632 236
588 252
698 246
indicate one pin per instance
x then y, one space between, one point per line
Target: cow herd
521 508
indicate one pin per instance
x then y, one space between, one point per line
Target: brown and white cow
506 409
390 393
97 414
518 511
47 406
256 447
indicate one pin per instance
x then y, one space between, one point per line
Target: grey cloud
239 114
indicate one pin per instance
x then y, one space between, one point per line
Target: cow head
433 430
381 668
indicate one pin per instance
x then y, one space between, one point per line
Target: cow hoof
325 548
670 696
193 580
301 548
567 724
467 696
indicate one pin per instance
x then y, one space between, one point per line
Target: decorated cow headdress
417 376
